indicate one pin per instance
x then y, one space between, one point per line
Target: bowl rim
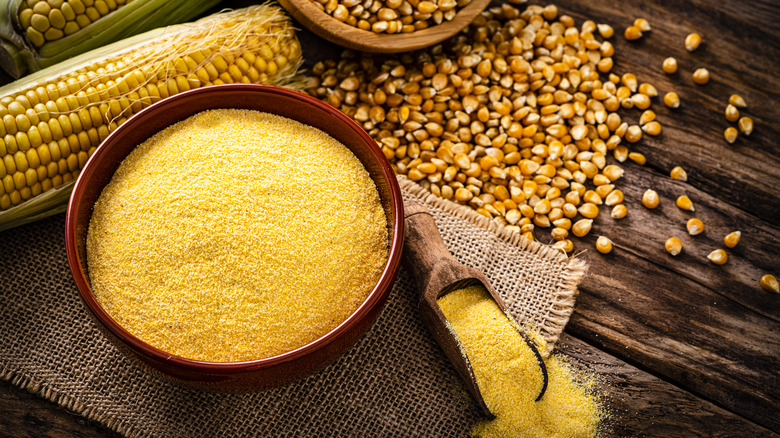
375 297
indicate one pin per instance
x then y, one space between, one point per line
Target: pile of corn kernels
512 118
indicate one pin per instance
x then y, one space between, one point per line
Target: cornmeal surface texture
236 235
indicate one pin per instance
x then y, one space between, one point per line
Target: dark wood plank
742 51
23 414
677 328
643 233
708 328
639 405
642 405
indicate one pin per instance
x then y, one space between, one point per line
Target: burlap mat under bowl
394 382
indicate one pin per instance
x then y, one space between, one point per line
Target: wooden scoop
437 272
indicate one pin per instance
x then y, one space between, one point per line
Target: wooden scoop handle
425 255
430 263
437 272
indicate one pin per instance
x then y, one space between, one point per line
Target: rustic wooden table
685 347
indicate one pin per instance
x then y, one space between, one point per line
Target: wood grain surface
684 348
708 329
25 415
640 404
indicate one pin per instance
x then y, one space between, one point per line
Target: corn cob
48 21
53 120
40 33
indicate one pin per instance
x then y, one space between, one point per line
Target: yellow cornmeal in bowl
236 235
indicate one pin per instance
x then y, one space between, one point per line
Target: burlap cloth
394 382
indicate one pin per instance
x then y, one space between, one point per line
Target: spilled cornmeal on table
236 235
509 378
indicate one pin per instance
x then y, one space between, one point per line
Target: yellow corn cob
51 20
52 121
39 33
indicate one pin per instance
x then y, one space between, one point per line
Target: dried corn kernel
637 158
614 198
670 65
463 195
745 125
650 199
621 153
701 76
569 210
640 101
730 134
718 257
642 25
732 113
565 245
692 42
592 197
603 245
630 81
732 239
685 203
613 172
647 117
737 100
672 100
652 128
679 173
603 190
563 222
619 211
632 33
648 89
769 283
582 227
559 233
606 30
588 210
633 134
673 246
694 226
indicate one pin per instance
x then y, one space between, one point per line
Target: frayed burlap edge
74 406
563 304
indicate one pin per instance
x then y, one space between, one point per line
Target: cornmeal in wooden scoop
508 376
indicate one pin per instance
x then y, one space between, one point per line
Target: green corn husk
135 17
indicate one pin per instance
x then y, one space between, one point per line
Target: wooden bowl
260 373
325 26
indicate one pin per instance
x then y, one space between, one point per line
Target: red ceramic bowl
260 373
